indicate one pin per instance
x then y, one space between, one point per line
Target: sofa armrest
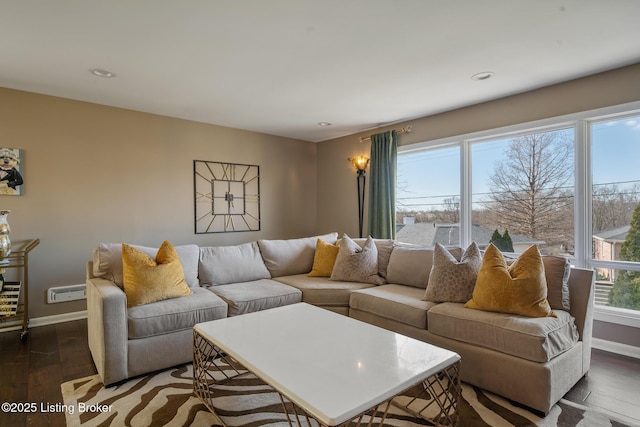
581 292
107 325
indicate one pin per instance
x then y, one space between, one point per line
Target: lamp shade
360 162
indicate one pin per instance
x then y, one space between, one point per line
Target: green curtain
382 188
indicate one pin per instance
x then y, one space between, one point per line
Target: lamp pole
360 164
362 181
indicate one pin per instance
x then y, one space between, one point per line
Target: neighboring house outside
606 247
421 233
428 234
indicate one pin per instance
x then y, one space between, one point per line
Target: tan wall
94 174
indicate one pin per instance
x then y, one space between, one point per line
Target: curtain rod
407 129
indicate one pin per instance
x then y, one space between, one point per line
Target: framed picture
226 197
11 181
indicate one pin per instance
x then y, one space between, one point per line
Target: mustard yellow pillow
520 288
324 259
146 280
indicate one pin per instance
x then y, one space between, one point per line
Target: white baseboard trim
616 347
48 320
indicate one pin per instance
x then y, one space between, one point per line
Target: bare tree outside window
531 190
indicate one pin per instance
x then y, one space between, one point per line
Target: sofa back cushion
291 256
556 271
410 265
221 265
107 261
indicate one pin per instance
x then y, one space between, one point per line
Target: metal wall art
226 197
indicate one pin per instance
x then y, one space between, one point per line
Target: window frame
581 123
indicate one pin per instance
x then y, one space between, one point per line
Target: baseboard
616 347
48 320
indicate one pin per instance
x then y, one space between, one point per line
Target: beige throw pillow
452 279
356 264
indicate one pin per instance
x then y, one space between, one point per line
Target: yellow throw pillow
147 280
520 288
324 259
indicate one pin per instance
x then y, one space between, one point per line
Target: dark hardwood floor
32 371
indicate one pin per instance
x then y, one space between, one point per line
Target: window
522 192
571 185
615 211
428 197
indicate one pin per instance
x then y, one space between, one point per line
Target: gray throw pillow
452 279
356 264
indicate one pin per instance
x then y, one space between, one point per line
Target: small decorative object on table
5 244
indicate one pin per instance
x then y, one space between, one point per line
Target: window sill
618 316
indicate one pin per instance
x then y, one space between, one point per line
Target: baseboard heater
66 293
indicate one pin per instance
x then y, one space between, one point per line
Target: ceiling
282 66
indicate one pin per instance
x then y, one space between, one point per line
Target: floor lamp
360 164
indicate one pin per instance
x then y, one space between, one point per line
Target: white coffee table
331 367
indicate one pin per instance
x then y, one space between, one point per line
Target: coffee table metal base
435 400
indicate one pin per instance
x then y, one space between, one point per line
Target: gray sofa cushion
221 265
247 297
322 290
410 266
291 256
538 339
175 314
107 261
403 304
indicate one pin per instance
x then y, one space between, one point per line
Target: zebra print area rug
166 399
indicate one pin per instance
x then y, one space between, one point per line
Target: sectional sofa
533 361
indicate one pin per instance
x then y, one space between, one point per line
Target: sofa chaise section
532 361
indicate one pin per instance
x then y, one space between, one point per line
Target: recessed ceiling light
324 124
482 76
101 72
